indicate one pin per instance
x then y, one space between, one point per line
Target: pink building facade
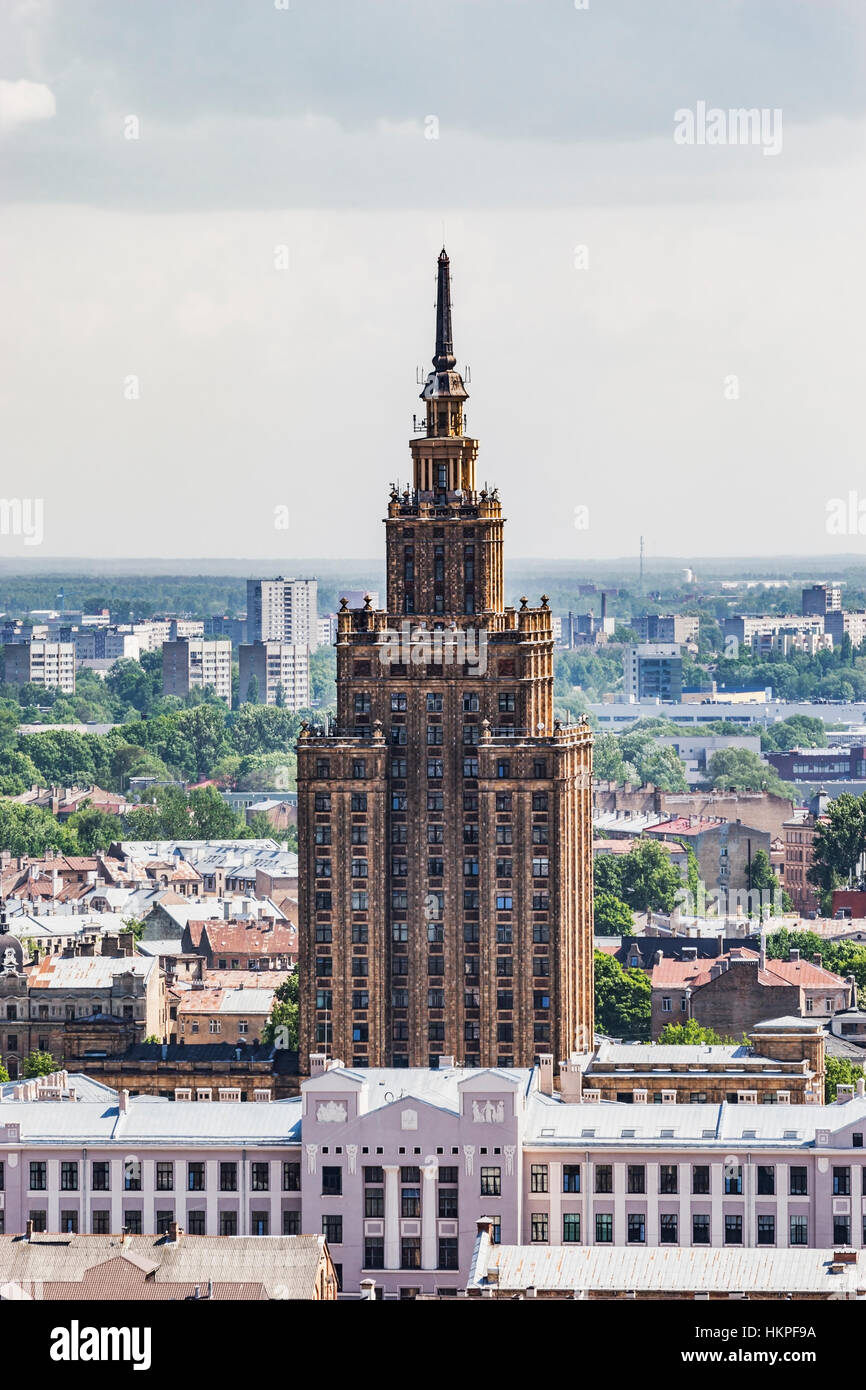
395 1168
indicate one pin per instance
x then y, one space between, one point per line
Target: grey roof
286 1265
437 1087
550 1121
85 1087
88 972
667 1268
153 1120
659 1054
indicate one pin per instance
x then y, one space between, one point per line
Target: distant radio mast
640 581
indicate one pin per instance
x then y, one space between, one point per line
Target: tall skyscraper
283 610
445 825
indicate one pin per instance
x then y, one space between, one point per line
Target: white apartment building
283 610
50 664
191 662
276 666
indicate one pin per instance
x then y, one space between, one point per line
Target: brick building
799 833
741 988
445 902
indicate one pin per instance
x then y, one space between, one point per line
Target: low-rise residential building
724 850
742 988
230 1015
799 833
249 945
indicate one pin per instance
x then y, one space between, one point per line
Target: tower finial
444 359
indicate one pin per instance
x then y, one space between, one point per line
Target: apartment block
667 628
653 671
281 671
821 600
49 664
283 610
191 663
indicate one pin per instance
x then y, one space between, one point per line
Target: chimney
545 1073
318 1063
175 1233
570 1081
446 1063
793 954
28 1230
861 1087
844 1093
123 1102
368 1290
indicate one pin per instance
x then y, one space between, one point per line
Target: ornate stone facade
445 826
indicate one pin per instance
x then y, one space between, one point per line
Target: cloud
22 102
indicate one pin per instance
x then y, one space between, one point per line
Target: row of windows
164 1176
194 1222
669 1229
410 1251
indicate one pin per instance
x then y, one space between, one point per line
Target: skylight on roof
749 1134
708 1134
627 1134
666 1134
547 1133
791 1134
587 1134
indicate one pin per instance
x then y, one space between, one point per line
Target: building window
571 1228
636 1228
374 1252
332 1181
799 1230
491 1182
332 1229
410 1253
374 1201
132 1174
538 1227
700 1230
195 1177
38 1177
358 801
100 1177
291 1177
604 1177
69 1177
538 1177
798 1182
668 1182
733 1230
39 1219
448 1205
69 1222
666 1004
229 1223
668 1229
636 1178
260 1180
701 1179
841 1230
766 1180
766 1230
571 1177
100 1223
734 1179
260 1223
447 1252
132 1223
603 1228
841 1182
164 1220
410 1201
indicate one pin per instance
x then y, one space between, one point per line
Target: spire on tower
444 359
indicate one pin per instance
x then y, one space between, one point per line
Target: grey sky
606 387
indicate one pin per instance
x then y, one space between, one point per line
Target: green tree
95 829
839 1071
252 695
650 882
690 1034
38 1064
611 916
4 1075
838 845
213 818
743 771
622 999
281 1028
